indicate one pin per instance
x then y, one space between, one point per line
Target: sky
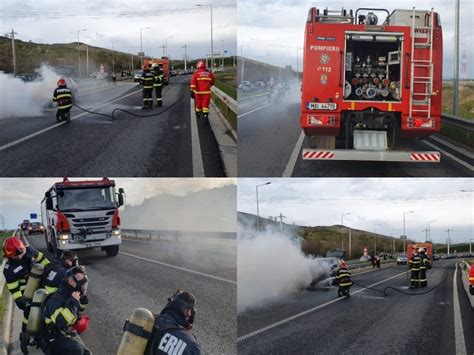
271 30
55 21
20 197
374 204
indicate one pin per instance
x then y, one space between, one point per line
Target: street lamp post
79 52
449 240
212 37
258 215
342 225
141 44
429 229
404 231
166 44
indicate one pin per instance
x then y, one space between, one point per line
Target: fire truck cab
82 215
371 87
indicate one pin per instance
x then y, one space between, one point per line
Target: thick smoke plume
26 99
271 266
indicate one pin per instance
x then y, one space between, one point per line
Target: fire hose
112 115
384 291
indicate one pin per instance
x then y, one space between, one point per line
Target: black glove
192 94
22 304
84 300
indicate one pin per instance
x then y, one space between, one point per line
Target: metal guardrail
226 99
458 122
253 97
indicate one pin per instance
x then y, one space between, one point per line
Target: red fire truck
82 215
165 65
369 90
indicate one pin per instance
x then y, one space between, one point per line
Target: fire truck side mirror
49 203
120 199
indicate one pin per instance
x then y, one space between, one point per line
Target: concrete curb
6 326
465 282
226 138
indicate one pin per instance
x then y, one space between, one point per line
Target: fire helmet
201 64
81 324
421 250
182 301
13 246
62 82
154 65
342 265
69 255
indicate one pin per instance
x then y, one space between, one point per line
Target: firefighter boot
205 117
198 115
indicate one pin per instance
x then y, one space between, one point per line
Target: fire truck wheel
323 142
112 250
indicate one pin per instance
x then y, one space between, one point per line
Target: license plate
92 245
322 106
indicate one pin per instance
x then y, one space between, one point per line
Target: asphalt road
367 322
145 274
269 136
94 145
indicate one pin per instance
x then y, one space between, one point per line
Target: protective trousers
415 277
159 99
148 97
61 112
423 279
71 345
202 104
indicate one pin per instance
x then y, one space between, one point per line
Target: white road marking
290 166
458 330
44 130
181 268
450 156
301 314
256 109
198 166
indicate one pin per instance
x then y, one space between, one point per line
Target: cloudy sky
54 21
374 204
20 197
271 30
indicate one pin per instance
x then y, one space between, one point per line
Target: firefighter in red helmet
63 97
20 260
201 84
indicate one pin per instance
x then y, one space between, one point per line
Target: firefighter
20 260
414 264
158 84
425 263
201 83
55 275
63 97
61 315
343 279
147 81
172 330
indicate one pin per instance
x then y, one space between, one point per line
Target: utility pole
13 33
426 233
281 222
185 56
449 241
163 46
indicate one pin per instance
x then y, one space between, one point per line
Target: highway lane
367 322
122 283
269 136
93 145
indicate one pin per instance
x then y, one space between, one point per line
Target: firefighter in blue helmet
61 315
343 280
172 329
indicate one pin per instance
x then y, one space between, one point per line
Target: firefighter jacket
415 262
344 278
147 79
16 273
171 337
61 310
202 81
63 96
158 78
425 262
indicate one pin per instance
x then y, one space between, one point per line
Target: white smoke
26 99
271 266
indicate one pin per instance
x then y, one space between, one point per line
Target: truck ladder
423 106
